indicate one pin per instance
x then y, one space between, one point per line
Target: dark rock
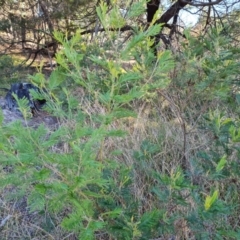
41 117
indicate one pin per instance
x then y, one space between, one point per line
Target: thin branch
201 4
3 222
122 29
208 20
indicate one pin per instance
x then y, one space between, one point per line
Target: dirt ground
38 118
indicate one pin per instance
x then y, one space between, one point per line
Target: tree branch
122 29
201 4
176 7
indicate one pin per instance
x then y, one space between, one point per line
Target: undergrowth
143 151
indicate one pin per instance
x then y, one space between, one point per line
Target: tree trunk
152 7
174 9
49 22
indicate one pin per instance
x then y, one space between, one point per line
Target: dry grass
17 222
161 122
171 121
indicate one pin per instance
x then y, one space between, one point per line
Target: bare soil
40 117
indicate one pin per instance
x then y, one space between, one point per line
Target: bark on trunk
49 22
152 7
175 8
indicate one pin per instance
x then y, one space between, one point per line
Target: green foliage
217 64
6 61
136 9
6 65
91 192
81 172
207 76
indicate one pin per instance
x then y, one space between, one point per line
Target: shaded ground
41 117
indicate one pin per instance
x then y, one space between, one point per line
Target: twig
3 222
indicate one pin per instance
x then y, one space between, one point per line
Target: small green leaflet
55 80
210 200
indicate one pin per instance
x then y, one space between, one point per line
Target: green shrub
106 178
67 171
